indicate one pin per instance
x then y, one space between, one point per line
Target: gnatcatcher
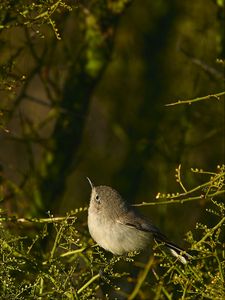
119 228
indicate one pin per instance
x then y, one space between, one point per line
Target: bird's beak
91 184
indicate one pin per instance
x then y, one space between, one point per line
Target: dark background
62 123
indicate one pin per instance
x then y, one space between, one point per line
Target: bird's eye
97 198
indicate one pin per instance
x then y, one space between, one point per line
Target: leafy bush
59 261
53 55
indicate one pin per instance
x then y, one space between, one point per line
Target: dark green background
163 51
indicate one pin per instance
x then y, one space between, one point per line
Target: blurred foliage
123 93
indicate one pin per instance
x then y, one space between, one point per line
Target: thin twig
175 201
141 278
14 219
190 101
97 276
210 232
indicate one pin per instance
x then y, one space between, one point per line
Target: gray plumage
119 228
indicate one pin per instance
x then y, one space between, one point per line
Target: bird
119 228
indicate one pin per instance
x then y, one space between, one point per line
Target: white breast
114 236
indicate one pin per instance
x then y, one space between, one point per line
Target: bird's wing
134 220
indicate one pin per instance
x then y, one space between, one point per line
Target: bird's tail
176 251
